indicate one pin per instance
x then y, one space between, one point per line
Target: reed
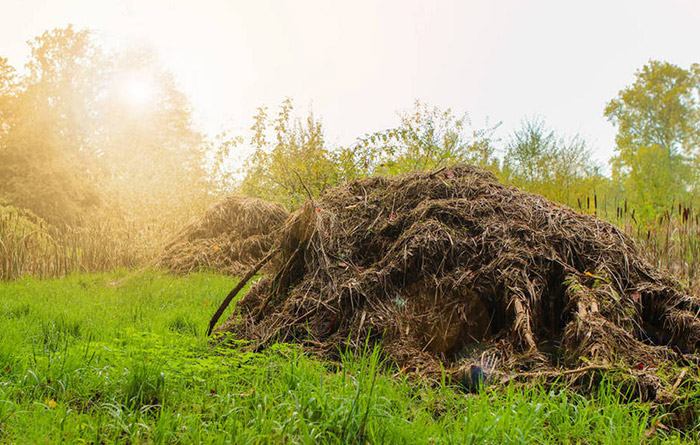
30 246
671 240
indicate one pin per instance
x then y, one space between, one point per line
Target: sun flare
137 89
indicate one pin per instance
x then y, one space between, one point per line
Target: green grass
81 361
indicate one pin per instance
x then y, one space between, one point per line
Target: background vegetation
91 180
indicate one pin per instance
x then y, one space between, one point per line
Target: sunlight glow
137 89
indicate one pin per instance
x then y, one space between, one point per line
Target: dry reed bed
30 246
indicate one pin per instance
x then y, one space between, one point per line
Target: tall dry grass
100 242
671 240
29 246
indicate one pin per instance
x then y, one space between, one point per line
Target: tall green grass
83 361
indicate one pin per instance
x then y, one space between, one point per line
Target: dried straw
451 269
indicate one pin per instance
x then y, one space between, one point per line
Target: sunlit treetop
101 127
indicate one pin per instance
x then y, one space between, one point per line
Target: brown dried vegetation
452 269
231 236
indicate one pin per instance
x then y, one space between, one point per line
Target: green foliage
101 364
8 85
221 174
111 177
658 120
76 153
293 154
561 169
45 132
151 158
426 138
289 161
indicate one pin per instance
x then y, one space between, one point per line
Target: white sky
356 63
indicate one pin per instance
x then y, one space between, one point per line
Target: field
86 361
466 271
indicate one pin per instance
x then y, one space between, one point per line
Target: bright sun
137 89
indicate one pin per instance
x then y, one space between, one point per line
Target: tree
426 138
658 138
530 153
294 159
151 155
72 146
8 85
221 172
559 168
44 156
8 89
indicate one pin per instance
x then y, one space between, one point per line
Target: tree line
73 151
656 162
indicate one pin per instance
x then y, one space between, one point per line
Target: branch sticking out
241 284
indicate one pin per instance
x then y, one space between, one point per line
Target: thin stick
308 192
437 171
237 289
678 381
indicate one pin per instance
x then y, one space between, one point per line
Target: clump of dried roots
231 236
453 270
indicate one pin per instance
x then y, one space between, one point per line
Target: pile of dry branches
231 236
453 270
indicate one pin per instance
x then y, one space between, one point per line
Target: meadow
85 360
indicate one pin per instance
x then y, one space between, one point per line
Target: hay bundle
232 235
452 268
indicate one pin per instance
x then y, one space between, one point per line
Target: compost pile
232 235
453 270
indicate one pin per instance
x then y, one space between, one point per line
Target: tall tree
92 131
44 157
152 157
530 153
8 90
8 84
658 138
